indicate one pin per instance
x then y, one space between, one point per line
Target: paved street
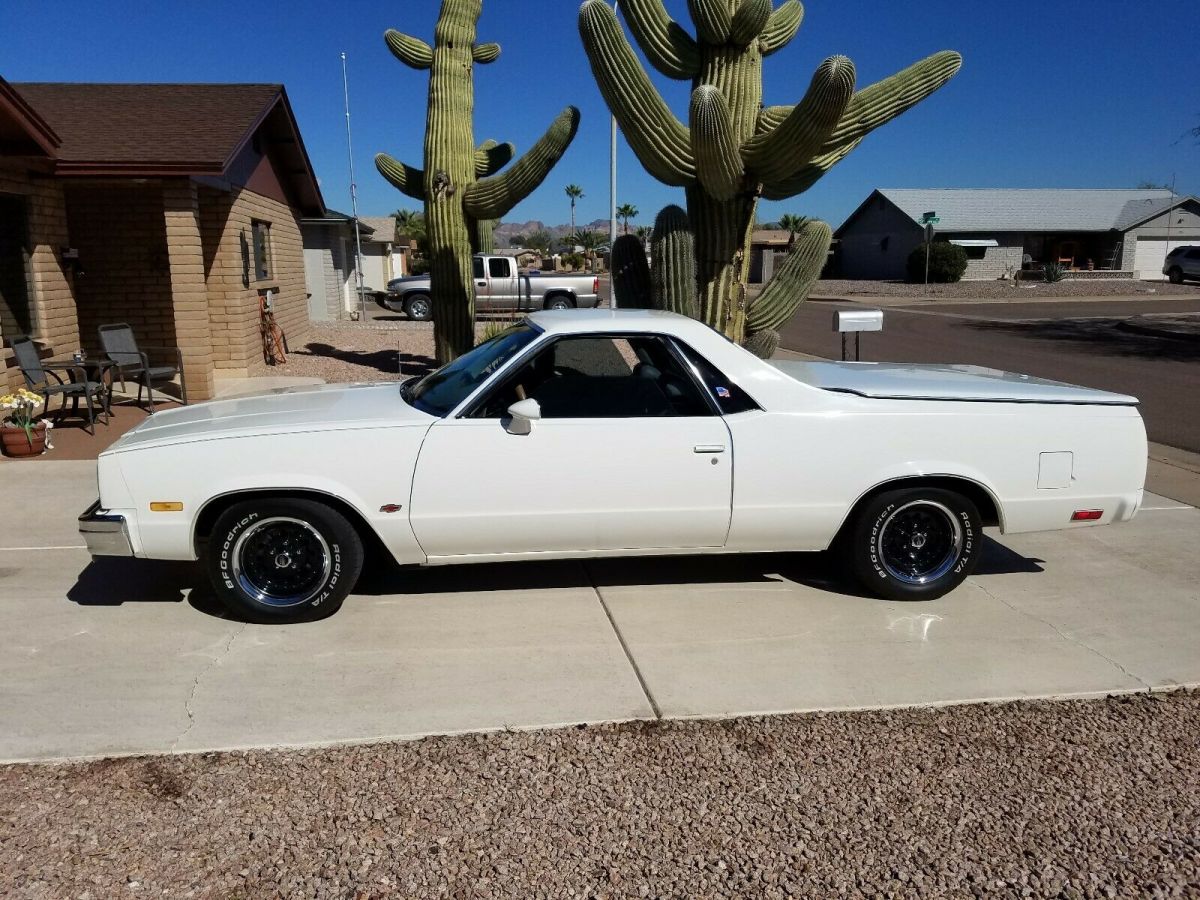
1079 342
134 657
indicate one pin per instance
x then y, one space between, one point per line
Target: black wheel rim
919 542
281 561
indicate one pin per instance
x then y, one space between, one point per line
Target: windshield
441 391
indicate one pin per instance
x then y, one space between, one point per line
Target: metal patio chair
38 375
132 362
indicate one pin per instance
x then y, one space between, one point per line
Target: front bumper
105 533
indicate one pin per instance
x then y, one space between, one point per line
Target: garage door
1152 253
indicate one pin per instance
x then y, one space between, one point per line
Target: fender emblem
390 508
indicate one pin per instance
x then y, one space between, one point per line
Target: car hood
280 411
908 381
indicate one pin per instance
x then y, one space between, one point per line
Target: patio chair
38 375
131 361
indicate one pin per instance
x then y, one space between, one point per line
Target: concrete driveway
135 657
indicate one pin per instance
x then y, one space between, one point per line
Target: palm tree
791 224
409 223
626 211
587 239
644 231
575 192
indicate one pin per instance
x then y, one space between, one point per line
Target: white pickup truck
499 287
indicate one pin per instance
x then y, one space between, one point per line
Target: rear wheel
914 543
559 301
283 560
1176 275
418 308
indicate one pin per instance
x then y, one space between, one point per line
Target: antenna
362 297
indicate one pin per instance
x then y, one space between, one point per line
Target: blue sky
1061 94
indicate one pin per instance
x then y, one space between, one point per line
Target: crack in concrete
187 704
1068 637
637 671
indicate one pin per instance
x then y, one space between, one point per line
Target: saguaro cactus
461 184
733 150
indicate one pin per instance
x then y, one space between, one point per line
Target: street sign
927 217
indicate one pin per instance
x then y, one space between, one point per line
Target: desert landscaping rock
1040 799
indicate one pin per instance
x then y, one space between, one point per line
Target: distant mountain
506 231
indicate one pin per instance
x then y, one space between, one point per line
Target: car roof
575 321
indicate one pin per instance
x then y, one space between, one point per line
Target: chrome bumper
104 533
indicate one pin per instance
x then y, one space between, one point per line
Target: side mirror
522 415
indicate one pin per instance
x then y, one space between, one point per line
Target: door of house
15 315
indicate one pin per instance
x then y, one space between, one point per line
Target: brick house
1106 233
172 207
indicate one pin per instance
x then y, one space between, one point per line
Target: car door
628 455
483 290
501 283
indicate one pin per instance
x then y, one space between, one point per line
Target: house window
15 315
261 232
976 252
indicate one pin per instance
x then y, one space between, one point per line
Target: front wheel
559 302
418 308
283 560
914 543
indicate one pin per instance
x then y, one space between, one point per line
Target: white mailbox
856 321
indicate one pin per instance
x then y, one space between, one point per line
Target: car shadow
115 581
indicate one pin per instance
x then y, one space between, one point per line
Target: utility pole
612 194
362 297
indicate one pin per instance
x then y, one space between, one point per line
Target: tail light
1086 515
596 285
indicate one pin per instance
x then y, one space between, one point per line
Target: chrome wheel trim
419 308
912 528
283 556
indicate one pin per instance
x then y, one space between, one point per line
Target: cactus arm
749 21
713 20
485 53
411 51
776 154
763 344
491 157
673 263
871 107
718 162
494 197
791 284
781 27
659 140
669 48
404 177
808 175
631 273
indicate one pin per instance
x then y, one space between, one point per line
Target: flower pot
17 443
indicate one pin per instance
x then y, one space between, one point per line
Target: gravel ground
1039 799
339 353
1025 290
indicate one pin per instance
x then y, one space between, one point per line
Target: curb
1145 328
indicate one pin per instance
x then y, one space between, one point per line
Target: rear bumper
105 533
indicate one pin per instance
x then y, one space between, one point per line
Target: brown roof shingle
192 127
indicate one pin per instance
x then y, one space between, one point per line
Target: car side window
477 267
728 396
498 268
601 377
1194 253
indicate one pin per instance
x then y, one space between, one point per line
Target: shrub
574 260
418 266
947 263
1054 272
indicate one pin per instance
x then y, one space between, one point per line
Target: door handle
481 283
709 448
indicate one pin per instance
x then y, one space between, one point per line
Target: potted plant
21 435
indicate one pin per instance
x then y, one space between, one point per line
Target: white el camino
592 433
